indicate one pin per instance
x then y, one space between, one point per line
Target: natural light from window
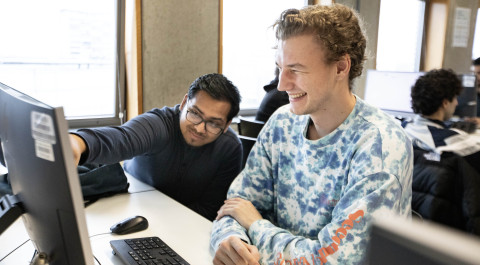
61 52
248 41
476 38
400 35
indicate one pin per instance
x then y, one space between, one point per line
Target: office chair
249 127
247 143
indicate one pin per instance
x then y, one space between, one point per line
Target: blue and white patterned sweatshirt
318 197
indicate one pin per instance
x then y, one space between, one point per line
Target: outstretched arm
78 147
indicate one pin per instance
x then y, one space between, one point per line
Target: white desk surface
185 231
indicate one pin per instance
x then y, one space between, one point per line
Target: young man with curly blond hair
325 165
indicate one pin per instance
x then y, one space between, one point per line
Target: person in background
434 99
272 100
325 165
187 152
476 70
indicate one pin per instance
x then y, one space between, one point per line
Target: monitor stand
40 259
10 209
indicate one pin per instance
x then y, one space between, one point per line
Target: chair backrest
247 143
249 127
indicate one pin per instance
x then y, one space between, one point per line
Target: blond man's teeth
297 95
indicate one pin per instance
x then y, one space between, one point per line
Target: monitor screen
399 241
42 172
390 91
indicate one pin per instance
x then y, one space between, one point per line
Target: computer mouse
130 225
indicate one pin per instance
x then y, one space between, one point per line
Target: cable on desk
14 250
97 260
35 252
107 233
142 191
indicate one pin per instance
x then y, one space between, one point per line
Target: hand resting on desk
233 250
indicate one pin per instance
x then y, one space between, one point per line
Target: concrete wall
459 58
179 43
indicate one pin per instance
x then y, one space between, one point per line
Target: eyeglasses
210 126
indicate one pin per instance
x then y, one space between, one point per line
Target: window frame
120 82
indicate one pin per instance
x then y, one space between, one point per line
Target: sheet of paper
461 27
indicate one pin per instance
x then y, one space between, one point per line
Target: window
66 53
248 58
476 38
400 34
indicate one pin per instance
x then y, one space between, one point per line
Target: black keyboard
146 251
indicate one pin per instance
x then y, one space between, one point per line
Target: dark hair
219 88
476 61
431 89
337 28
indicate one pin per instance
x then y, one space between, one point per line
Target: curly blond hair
337 27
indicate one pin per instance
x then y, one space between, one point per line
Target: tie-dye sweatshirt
319 197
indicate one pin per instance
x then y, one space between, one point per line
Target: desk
185 231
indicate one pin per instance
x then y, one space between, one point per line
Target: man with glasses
187 152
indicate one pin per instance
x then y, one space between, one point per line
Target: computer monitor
45 183
390 91
398 241
467 100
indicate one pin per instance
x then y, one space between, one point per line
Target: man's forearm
78 147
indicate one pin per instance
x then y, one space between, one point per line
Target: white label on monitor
42 127
44 150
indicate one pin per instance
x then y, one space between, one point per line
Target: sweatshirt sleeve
113 144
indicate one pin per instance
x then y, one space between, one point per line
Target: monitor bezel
401 241
48 233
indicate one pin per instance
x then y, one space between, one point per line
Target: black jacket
447 191
272 100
